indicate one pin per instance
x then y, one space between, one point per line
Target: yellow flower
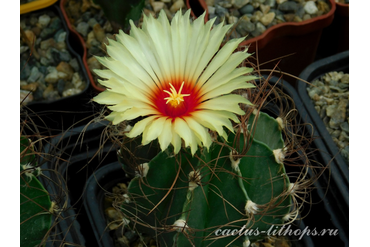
177 77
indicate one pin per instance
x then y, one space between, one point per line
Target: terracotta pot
81 41
199 8
300 39
335 38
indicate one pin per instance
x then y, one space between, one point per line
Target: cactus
178 86
35 203
120 12
185 199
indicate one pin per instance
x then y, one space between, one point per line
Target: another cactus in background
119 12
185 199
35 217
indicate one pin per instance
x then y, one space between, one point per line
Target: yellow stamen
175 98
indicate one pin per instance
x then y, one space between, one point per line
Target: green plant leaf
35 218
121 11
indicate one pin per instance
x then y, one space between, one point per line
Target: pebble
35 75
56 73
85 18
177 5
240 3
65 68
247 9
267 19
157 6
310 8
332 104
98 32
44 20
26 96
265 12
83 28
289 6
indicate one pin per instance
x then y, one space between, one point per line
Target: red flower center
176 99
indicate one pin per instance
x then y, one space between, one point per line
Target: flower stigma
175 98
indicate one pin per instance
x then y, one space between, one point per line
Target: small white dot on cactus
180 225
194 179
125 221
142 170
234 161
291 188
280 122
246 243
251 207
279 155
127 128
291 216
126 198
29 169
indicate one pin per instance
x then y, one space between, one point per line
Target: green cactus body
215 196
121 11
35 203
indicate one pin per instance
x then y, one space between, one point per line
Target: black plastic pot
88 175
338 62
329 211
59 114
340 169
331 188
68 163
104 180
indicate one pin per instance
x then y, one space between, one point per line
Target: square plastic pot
331 189
68 163
329 204
90 168
338 62
61 113
105 179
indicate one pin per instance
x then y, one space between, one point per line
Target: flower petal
162 45
108 98
152 131
226 103
128 103
227 72
166 135
214 120
183 130
216 36
132 113
200 131
135 65
237 83
221 57
140 126
176 140
146 47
